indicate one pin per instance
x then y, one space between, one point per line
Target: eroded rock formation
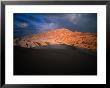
59 36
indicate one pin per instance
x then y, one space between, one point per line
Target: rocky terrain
84 40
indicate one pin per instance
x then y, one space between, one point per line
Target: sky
33 23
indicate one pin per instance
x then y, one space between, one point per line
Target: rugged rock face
59 36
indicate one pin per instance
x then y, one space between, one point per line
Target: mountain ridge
85 40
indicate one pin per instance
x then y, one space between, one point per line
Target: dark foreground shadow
54 60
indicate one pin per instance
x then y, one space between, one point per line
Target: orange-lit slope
59 36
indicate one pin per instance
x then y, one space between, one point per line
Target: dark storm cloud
32 23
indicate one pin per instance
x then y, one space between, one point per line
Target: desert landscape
55 44
44 53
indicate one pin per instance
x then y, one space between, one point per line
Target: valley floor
54 61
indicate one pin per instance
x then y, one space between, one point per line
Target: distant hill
59 36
